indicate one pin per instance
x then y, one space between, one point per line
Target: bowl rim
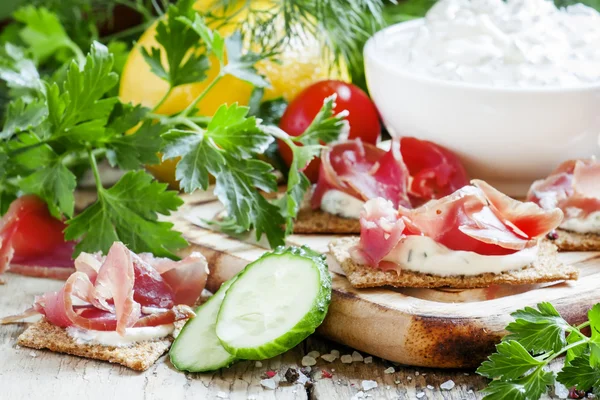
370 53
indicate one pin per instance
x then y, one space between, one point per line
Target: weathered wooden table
33 374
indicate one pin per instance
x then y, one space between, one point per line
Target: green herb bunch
538 336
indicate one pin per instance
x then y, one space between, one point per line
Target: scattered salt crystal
302 379
269 383
368 385
346 359
420 394
332 369
417 373
397 382
307 361
390 370
33 354
448 385
329 357
359 395
466 374
314 354
430 387
368 360
18 347
409 378
258 364
356 356
335 353
388 387
561 390
470 391
222 395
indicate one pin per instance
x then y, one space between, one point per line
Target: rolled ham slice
123 290
475 218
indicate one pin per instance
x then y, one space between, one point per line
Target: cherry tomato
363 117
37 232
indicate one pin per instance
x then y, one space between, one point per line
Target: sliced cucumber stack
275 303
197 348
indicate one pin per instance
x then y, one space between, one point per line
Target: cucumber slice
275 303
197 348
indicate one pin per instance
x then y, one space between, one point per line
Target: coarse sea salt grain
359 395
561 390
448 385
430 387
368 360
302 379
346 359
222 395
390 370
368 385
308 361
269 383
33 354
356 356
329 357
420 394
258 364
335 353
314 354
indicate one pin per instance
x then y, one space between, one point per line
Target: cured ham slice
32 241
475 218
363 171
412 172
574 187
123 290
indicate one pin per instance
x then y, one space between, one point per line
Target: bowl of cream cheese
513 88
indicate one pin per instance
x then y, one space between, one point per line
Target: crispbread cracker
140 357
546 268
573 241
319 221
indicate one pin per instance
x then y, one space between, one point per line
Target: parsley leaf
594 318
326 127
18 71
21 116
184 61
510 361
55 184
232 130
212 39
539 330
529 387
580 373
128 211
240 64
138 149
43 32
574 352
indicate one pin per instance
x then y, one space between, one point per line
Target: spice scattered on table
368 360
368 385
308 361
346 359
390 370
291 375
448 385
356 356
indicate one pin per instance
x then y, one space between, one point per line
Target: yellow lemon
302 62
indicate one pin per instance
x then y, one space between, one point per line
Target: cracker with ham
116 296
475 221
574 187
412 172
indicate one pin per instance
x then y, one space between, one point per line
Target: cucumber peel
274 304
197 348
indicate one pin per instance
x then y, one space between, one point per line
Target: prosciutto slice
475 218
363 171
32 241
411 173
574 187
124 290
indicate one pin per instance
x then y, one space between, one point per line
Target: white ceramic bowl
507 136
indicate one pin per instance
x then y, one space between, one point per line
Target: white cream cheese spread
112 338
589 224
425 255
339 203
512 43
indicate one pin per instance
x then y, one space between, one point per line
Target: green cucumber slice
275 303
197 348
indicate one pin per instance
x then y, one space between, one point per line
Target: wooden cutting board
443 328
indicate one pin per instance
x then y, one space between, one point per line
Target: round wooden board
442 328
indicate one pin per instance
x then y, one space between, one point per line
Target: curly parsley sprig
538 336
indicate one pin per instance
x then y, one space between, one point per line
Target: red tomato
363 116
37 232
